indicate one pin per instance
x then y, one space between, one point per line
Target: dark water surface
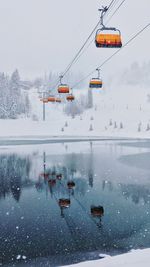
35 230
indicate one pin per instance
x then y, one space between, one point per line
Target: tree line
14 99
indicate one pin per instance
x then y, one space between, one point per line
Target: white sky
44 35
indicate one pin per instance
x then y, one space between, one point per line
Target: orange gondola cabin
108 38
51 99
70 98
58 100
63 89
95 83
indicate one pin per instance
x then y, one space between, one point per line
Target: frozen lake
50 196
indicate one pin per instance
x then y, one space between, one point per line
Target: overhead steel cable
109 58
80 50
94 38
70 64
115 11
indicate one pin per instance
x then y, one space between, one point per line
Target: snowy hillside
116 113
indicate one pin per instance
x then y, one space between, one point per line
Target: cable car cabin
51 99
63 89
95 83
59 176
64 202
58 100
97 211
108 38
71 184
70 98
44 100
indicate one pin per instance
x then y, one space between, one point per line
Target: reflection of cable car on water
52 182
45 175
59 176
96 82
108 37
97 211
64 202
71 185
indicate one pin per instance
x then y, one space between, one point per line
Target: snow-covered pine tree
66 124
115 125
15 94
148 127
4 96
139 127
110 122
121 125
91 127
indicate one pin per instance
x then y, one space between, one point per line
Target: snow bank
136 258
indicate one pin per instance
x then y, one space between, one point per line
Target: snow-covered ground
136 258
123 112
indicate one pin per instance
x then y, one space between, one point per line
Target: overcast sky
44 35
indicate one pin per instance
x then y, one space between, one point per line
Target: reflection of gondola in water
71 185
52 181
64 203
58 176
45 175
97 212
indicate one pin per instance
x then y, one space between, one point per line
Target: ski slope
116 113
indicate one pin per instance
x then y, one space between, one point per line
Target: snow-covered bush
110 122
115 125
14 100
66 124
91 127
121 125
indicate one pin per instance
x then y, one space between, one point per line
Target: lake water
46 196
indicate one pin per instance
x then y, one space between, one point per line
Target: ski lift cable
86 48
115 11
80 50
109 58
78 56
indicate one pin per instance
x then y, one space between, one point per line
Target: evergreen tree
91 127
121 125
